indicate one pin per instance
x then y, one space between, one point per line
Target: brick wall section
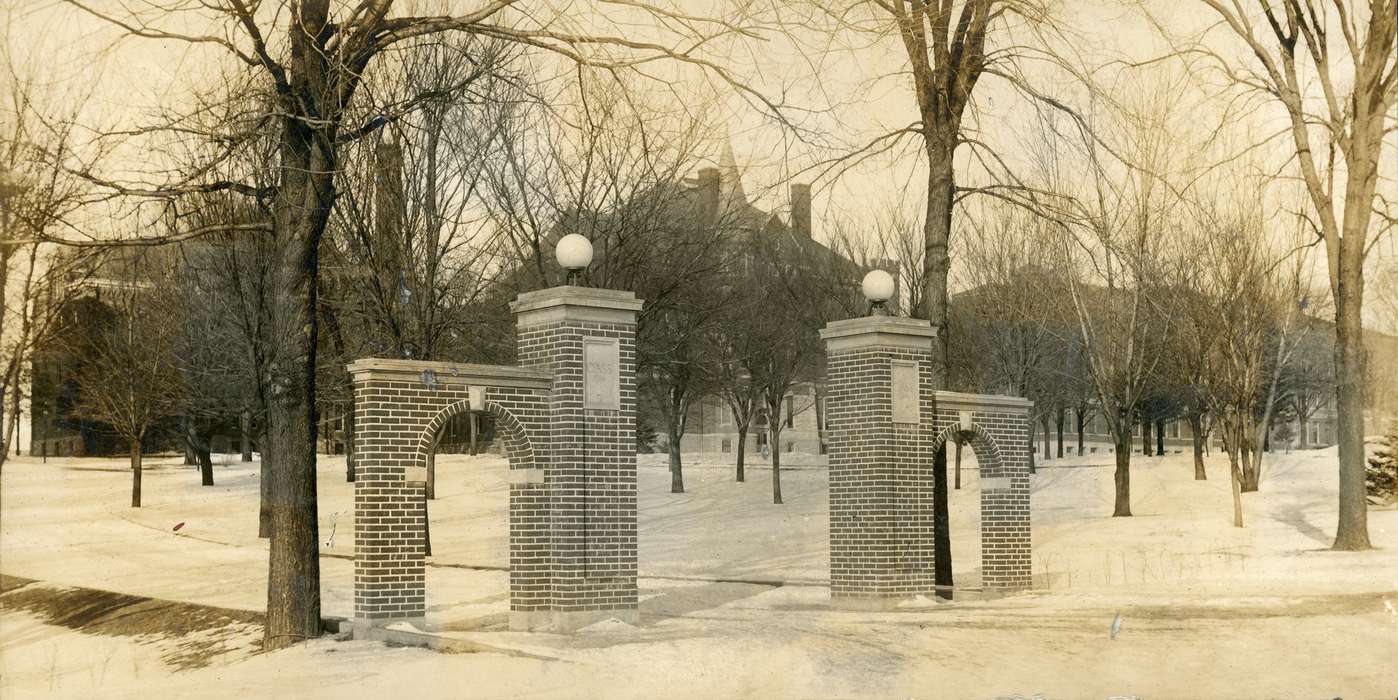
397 413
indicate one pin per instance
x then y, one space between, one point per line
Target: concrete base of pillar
567 621
875 604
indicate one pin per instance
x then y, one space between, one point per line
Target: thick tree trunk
742 451
1122 477
304 198
958 463
940 147
1196 429
1352 531
1145 438
349 443
941 527
775 432
1160 438
136 473
245 435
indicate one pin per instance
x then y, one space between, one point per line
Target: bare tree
1338 94
128 378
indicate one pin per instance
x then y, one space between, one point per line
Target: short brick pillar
399 407
997 429
879 419
586 340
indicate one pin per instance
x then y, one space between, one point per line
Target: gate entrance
886 422
566 417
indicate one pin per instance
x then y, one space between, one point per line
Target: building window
725 416
727 445
790 419
790 446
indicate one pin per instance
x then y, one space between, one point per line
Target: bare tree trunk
349 443
1352 531
1196 429
1145 438
1061 417
1245 480
206 465
941 190
678 414
303 203
742 451
426 527
676 465
775 431
1122 477
1082 427
1160 437
1047 427
941 527
245 434
264 510
430 493
958 463
473 429
1236 487
135 472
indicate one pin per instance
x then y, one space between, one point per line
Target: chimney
801 210
709 183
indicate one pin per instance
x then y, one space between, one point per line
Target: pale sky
856 90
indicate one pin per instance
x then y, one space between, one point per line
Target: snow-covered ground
1207 610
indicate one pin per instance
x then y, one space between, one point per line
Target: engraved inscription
601 385
905 392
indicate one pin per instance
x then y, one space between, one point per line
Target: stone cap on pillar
878 331
572 303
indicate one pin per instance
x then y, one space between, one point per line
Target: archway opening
466 499
970 474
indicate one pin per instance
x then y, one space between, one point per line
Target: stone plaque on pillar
906 392
602 363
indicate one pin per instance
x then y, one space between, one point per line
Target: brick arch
519 448
981 441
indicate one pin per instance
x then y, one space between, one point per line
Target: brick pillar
879 414
586 339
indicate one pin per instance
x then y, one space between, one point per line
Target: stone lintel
455 373
571 303
958 401
878 331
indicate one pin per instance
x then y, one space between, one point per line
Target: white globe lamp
574 254
878 289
